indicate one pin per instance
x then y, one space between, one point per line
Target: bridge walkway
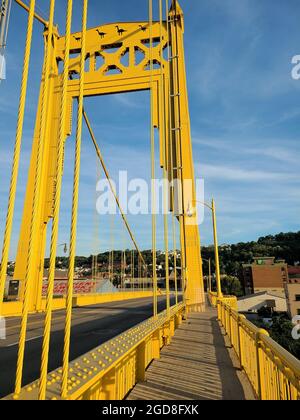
198 365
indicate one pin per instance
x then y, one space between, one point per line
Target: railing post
109 386
172 327
219 310
178 320
156 344
141 363
241 353
166 333
260 364
230 326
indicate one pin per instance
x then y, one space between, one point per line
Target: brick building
292 289
265 274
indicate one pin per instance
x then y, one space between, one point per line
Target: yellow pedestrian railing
272 371
213 298
228 300
110 371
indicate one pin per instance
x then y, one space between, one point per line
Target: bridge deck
197 365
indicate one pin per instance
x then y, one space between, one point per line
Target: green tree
232 286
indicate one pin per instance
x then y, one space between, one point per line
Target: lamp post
212 207
65 247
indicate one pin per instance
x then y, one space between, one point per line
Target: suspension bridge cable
57 198
73 233
35 209
96 232
111 264
152 141
16 156
171 162
99 154
123 259
165 160
175 259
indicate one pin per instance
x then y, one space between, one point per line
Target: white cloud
237 174
274 152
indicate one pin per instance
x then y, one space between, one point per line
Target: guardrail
273 372
228 300
14 309
110 371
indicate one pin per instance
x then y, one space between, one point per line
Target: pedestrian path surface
197 365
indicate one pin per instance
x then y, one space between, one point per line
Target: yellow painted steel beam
95 299
14 309
98 81
36 15
189 230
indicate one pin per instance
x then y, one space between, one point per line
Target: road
91 326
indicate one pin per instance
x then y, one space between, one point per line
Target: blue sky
245 113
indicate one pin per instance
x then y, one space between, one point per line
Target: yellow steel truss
118 59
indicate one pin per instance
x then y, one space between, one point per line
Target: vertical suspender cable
57 197
175 259
171 163
165 159
133 268
35 209
177 128
152 135
73 234
96 229
112 253
17 153
131 282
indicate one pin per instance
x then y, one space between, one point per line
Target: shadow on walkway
197 365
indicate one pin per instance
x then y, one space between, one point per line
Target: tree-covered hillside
282 246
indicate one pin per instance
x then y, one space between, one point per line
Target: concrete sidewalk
197 365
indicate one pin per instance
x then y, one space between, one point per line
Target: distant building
9 290
292 290
294 273
252 303
58 275
265 274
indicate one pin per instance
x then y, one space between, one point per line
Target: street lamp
65 247
191 212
